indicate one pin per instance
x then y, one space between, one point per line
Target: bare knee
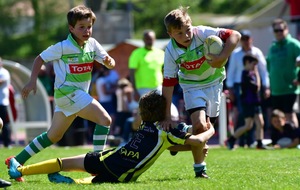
105 121
199 127
54 138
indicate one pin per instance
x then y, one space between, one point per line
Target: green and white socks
100 137
38 144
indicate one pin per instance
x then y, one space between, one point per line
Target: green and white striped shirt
72 64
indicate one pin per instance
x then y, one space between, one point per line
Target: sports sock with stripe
100 137
38 144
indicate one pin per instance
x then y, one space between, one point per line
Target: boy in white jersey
73 61
200 79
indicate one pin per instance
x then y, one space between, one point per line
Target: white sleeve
262 69
231 71
100 52
170 67
53 52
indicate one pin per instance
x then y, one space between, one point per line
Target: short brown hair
152 107
277 113
177 18
78 13
279 21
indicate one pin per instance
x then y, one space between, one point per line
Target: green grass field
240 169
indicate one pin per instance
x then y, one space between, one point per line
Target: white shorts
73 103
209 97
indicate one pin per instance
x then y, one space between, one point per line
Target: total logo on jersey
193 64
81 68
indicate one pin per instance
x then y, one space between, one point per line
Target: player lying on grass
126 163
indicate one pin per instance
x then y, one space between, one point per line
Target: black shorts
94 166
284 103
251 110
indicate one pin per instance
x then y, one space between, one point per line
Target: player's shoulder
92 41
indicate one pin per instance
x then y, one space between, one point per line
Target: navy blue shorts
93 165
249 110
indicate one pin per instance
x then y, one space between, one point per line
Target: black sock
259 143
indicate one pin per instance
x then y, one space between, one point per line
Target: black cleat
4 183
173 153
202 174
230 143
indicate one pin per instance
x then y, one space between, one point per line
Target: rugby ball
284 142
212 45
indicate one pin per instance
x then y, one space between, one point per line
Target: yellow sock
45 167
86 180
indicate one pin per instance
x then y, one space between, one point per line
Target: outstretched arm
198 140
195 140
31 85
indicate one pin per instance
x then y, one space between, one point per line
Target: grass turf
239 169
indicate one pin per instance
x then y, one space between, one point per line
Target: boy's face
183 36
82 30
278 122
250 65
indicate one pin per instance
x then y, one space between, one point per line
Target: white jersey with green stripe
72 64
189 64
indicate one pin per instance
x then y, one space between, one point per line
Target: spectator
47 77
234 76
283 129
4 103
126 104
294 14
251 102
105 93
297 80
3 183
145 64
46 80
112 79
281 64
